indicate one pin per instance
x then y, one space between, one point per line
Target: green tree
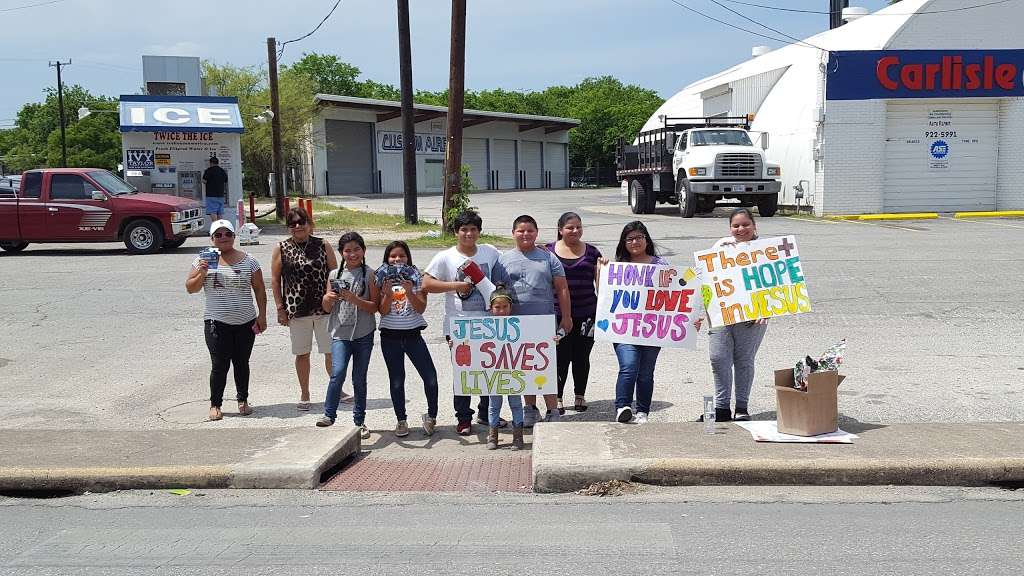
331 75
35 141
251 86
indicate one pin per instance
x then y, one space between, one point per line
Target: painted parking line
879 225
984 222
814 220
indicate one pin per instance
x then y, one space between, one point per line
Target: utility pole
456 100
836 13
277 163
60 104
408 126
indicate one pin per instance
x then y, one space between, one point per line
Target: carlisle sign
884 74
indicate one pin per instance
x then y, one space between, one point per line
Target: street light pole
60 104
456 101
277 161
408 126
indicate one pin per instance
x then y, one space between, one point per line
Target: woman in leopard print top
299 269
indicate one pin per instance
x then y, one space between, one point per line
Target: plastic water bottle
709 414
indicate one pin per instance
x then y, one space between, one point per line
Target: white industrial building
356 148
917 107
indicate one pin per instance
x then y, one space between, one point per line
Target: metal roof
389 109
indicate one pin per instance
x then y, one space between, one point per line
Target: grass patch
448 241
330 217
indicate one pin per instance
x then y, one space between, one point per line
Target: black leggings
574 348
229 344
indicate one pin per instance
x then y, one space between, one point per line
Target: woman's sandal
581 404
561 408
244 409
215 414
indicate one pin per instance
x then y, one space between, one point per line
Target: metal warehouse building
917 107
356 148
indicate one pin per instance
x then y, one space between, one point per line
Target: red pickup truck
93 205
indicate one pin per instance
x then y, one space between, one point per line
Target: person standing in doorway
444 275
215 180
298 270
536 278
581 262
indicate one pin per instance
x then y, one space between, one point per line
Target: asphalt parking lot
94 338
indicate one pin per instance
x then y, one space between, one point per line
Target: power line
280 51
802 11
32 5
731 25
765 26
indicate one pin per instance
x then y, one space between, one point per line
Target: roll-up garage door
531 163
503 159
940 156
349 157
554 163
474 155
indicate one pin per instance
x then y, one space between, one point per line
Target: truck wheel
687 199
13 246
640 201
143 237
767 205
172 243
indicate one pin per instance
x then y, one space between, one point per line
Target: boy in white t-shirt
462 298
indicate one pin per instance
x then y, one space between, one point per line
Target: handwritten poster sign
647 304
752 280
503 355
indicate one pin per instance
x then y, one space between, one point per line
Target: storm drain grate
503 473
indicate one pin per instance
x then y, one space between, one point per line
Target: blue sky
511 44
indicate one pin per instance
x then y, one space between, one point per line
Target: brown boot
492 439
517 438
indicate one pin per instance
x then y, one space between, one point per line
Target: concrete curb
101 461
568 457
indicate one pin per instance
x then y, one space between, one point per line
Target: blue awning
180 114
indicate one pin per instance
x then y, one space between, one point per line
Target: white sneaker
641 418
624 414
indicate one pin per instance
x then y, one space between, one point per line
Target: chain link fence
592 177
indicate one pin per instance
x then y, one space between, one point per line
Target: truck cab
715 163
93 205
695 162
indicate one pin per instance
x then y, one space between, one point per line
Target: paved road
696 531
93 338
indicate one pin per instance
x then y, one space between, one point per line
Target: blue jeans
515 402
359 351
636 373
395 349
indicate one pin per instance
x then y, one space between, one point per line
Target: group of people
337 301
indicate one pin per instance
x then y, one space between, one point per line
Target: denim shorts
214 205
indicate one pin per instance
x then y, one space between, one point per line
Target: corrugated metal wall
748 93
503 160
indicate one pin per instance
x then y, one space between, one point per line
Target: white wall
853 155
1010 176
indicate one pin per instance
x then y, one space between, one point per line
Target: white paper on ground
768 431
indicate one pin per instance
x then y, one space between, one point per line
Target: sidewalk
567 457
104 460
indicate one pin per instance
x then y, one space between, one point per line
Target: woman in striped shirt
402 302
232 322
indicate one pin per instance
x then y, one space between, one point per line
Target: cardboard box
811 412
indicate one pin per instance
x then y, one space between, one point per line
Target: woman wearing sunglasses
298 274
231 321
